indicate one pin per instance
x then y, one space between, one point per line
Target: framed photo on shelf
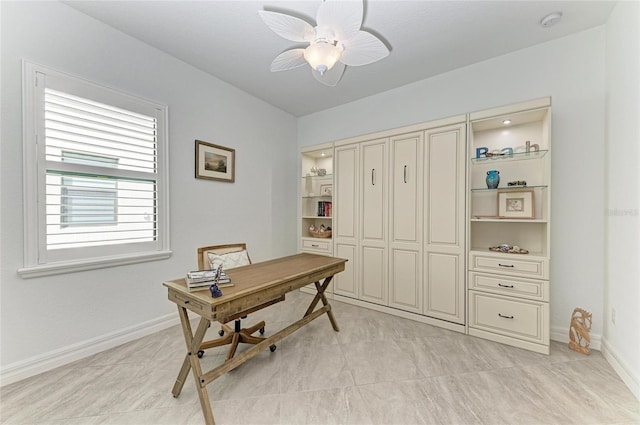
326 189
215 162
516 204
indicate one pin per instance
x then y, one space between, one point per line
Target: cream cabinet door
405 235
345 221
373 221
444 200
346 283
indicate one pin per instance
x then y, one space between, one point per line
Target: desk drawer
517 318
317 246
536 267
190 304
505 285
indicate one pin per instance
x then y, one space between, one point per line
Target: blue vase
493 179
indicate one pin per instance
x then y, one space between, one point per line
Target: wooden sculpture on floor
579 331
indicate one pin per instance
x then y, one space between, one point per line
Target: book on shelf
324 209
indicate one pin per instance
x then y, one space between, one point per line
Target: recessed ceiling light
322 154
506 122
551 19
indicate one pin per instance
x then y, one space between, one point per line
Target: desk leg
320 296
192 362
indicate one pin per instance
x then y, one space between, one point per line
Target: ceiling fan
335 42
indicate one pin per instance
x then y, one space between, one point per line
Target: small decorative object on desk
579 331
507 249
493 179
215 290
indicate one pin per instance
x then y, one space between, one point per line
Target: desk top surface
257 277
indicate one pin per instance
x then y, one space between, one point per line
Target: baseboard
622 369
562 335
41 363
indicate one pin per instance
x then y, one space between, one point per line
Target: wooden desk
254 285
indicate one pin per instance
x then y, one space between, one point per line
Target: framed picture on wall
326 189
215 162
516 204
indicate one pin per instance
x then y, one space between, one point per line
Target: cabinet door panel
444 298
346 192
345 283
444 203
445 185
405 291
406 188
374 172
373 272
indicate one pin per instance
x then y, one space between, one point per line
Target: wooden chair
232 255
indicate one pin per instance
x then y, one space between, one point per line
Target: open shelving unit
508 293
316 198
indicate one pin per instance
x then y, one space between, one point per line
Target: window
84 201
95 175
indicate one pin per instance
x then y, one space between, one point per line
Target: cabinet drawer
517 318
317 245
536 267
505 285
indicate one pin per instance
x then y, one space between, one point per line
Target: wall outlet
613 315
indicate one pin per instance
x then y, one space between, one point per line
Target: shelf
313 217
516 156
487 251
512 188
507 220
315 196
316 177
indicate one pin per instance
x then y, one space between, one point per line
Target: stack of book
202 279
324 209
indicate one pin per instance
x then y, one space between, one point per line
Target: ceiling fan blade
342 17
288 27
288 60
363 49
332 76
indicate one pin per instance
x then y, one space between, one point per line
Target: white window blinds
100 184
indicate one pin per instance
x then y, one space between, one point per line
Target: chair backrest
230 255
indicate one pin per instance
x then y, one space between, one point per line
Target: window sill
90 264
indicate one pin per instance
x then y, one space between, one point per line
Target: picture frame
326 189
214 162
516 204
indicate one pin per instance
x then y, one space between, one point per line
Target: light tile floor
378 369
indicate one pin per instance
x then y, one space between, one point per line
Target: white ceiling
228 40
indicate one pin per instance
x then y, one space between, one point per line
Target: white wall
622 281
571 71
50 320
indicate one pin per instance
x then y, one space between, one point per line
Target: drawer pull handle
505 265
315 245
405 173
505 286
186 302
505 317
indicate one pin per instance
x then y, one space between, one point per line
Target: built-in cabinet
509 287
316 202
424 233
381 227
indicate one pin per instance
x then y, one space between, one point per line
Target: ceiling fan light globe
322 56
